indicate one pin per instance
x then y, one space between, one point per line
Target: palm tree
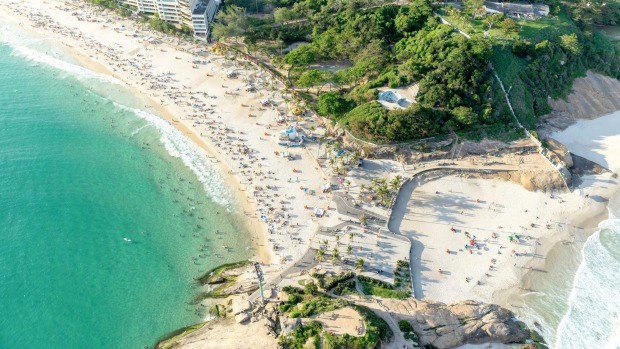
351 235
334 258
396 183
359 265
320 255
363 219
349 249
337 240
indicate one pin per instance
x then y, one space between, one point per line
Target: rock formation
466 322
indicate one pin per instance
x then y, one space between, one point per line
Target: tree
231 22
474 7
465 116
396 183
509 26
521 48
335 255
302 55
311 288
349 249
493 19
359 265
570 42
314 77
331 104
320 255
282 15
411 18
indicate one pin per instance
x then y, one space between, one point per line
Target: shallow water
576 302
107 213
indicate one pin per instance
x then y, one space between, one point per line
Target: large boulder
240 305
466 322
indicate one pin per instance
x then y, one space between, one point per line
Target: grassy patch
217 271
317 305
509 67
374 287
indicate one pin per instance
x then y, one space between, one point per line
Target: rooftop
531 9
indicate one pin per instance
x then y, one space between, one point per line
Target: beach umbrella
471 242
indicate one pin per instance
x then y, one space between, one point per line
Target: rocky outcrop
467 322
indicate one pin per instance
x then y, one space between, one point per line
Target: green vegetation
379 288
299 337
344 288
399 45
376 330
401 288
215 273
313 303
408 331
121 9
210 275
394 45
317 305
375 325
328 282
402 275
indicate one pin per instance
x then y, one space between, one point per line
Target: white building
196 14
144 6
202 15
517 10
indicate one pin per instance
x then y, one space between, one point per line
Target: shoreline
302 225
174 115
252 225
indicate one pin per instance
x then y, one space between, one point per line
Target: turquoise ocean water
80 171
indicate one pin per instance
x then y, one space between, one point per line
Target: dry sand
211 110
429 207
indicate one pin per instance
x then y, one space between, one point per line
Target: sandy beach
188 86
474 237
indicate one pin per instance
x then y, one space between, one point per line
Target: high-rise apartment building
196 14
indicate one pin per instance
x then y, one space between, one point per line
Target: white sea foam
175 142
72 69
178 145
593 316
31 49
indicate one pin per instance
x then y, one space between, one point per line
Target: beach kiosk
319 212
